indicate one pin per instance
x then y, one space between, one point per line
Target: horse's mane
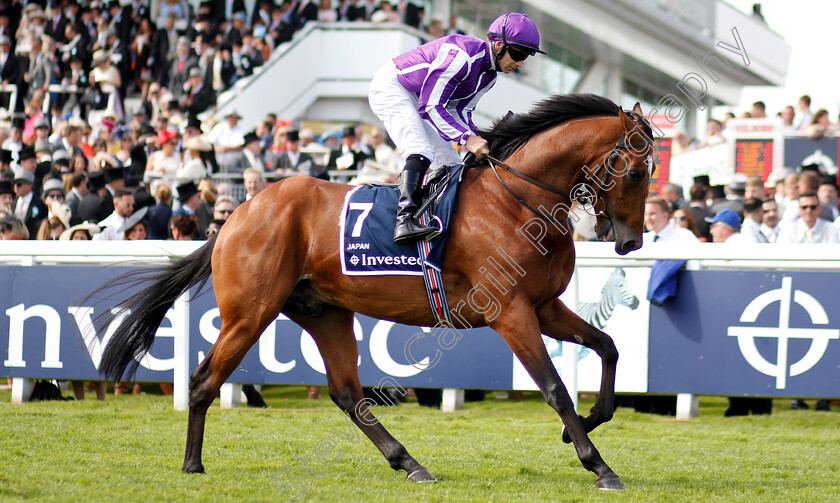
513 130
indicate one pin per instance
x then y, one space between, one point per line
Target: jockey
425 98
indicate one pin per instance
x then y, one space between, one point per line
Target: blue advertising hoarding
763 333
46 314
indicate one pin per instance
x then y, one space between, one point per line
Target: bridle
621 146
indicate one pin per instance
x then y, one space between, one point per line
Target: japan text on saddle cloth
366 227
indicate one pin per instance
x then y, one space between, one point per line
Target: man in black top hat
90 207
252 153
7 195
28 207
190 199
292 160
347 155
115 181
6 164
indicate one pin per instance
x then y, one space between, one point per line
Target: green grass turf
131 448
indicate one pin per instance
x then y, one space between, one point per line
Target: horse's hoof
420 476
199 468
610 482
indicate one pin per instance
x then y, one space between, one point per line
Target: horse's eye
636 176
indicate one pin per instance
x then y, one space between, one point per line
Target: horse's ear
638 109
625 121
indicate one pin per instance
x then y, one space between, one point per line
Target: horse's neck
564 155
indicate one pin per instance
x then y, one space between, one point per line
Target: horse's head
621 181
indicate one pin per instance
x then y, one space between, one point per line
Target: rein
533 181
620 147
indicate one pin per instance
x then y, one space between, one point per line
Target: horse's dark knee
608 351
200 392
345 398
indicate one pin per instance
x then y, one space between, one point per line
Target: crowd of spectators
84 166
794 121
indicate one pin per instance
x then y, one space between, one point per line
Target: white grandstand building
678 56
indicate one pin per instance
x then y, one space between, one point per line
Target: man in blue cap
726 228
426 96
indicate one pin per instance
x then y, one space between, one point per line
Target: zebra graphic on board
616 292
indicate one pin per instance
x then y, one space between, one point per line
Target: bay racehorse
279 252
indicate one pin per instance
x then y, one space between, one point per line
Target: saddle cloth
366 230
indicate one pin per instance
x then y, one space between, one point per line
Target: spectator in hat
80 232
197 167
61 160
28 207
53 191
291 161
134 228
252 152
164 163
5 163
78 190
726 228
43 128
90 207
190 198
123 208
729 197
7 196
227 138
770 219
809 227
198 96
115 177
348 155
699 211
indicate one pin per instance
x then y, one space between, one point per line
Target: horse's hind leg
559 322
245 313
521 331
333 333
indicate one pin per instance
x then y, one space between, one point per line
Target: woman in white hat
198 166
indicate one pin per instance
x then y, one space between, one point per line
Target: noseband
585 198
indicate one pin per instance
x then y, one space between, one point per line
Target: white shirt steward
670 235
426 96
798 232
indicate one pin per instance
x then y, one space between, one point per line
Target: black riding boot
407 229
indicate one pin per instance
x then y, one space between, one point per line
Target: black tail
136 333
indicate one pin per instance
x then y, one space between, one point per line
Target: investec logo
366 260
819 336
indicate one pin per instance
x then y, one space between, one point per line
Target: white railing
701 256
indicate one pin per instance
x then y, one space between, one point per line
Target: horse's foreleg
522 334
333 333
559 322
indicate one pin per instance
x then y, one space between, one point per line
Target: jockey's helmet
515 29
